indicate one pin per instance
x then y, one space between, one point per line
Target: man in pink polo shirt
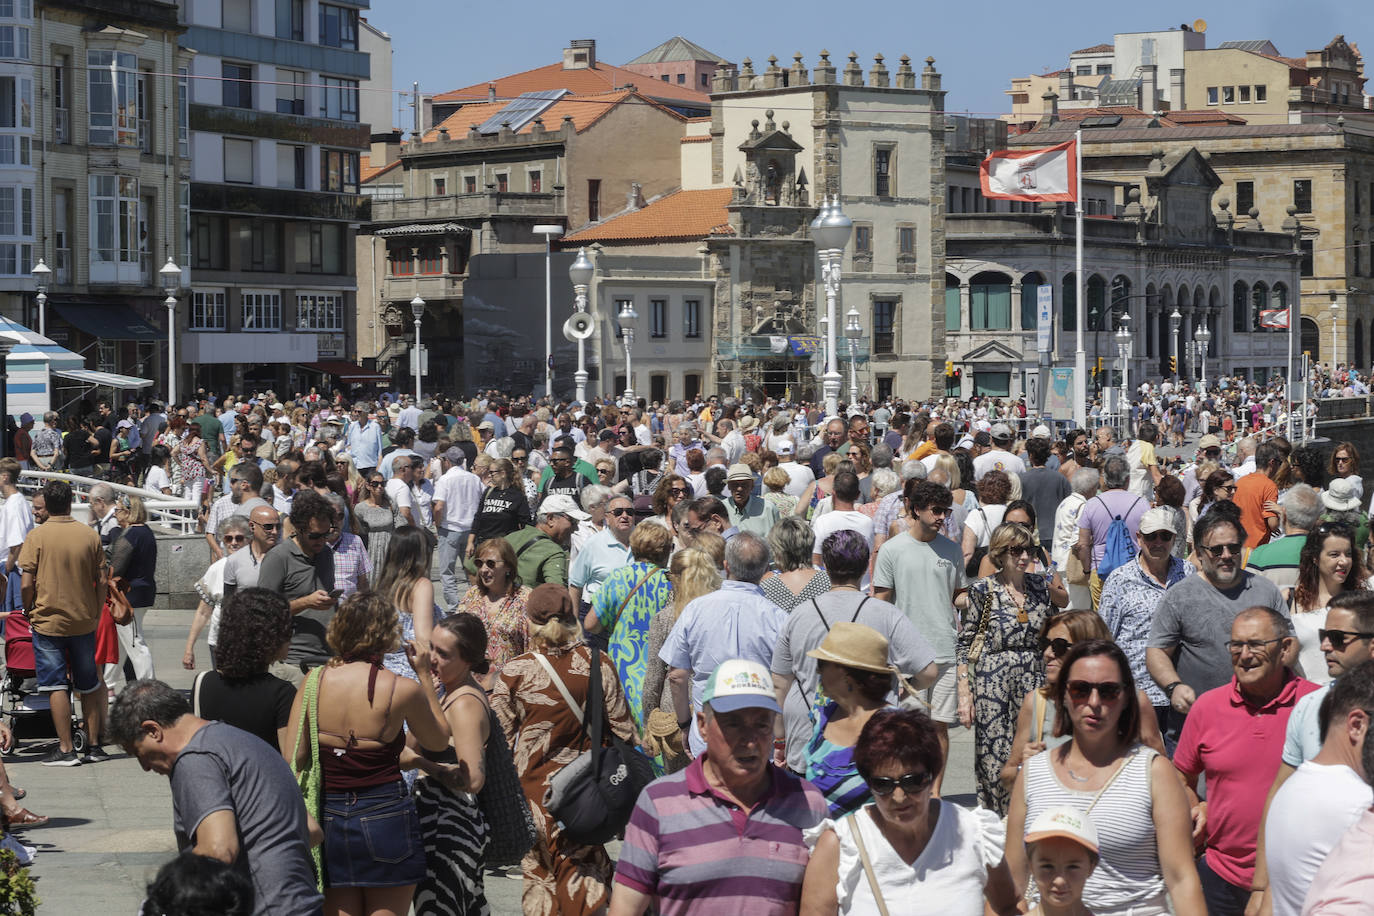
1234 735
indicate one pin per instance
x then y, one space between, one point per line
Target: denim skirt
372 838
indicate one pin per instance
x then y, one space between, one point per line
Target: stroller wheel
79 740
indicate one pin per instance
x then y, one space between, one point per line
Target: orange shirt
925 448
1252 492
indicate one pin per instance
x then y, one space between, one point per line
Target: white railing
175 513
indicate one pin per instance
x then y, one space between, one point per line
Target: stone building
679 62
93 172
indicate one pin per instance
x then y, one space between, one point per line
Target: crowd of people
411 609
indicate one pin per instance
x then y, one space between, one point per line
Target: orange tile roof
697 138
679 216
585 110
1096 49
602 78
366 170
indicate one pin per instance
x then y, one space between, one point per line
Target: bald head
266 523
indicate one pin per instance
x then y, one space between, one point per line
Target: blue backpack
1119 548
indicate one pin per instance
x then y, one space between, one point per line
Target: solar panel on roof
521 110
1259 45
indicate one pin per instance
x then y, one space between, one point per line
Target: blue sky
978 46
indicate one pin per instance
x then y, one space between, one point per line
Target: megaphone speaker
579 326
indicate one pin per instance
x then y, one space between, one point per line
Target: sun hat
562 504
1340 496
1158 519
854 646
747 423
1208 441
738 683
1067 822
739 472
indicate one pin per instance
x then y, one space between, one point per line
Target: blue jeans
53 655
451 544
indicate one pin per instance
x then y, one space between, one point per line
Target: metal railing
172 512
145 135
62 125
62 267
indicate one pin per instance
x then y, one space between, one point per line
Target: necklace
1075 776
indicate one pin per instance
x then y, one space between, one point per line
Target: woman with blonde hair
498 599
775 479
353 481
964 500
403 579
693 573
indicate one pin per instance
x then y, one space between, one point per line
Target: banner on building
1044 314
805 346
1274 318
1036 174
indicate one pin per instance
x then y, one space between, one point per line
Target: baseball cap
784 447
738 683
739 472
1002 432
965 442
25 418
982 426
1208 441
1041 432
1158 519
982 438
560 504
1067 822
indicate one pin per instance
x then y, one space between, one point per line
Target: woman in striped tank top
1134 795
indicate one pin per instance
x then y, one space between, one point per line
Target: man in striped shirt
725 834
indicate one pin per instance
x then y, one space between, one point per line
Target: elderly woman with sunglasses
922 855
1133 793
235 532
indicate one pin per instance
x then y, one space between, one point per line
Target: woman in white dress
926 855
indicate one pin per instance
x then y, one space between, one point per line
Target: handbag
310 779
503 803
117 602
593 797
980 637
868 864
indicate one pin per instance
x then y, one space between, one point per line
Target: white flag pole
1080 356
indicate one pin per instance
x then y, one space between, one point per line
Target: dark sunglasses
1217 550
911 783
267 527
622 511
519 457
1058 646
1339 638
320 535
235 538
376 483
488 563
1080 691
1159 536
677 491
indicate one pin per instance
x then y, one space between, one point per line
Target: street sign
1044 308
424 360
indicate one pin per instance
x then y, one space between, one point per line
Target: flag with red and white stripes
1035 174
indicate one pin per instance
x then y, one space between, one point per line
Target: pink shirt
1238 746
1344 885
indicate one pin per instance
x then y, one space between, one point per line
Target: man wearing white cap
799 475
999 457
723 835
748 512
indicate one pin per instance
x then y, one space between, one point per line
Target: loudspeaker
579 326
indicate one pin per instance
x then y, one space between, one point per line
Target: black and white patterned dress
456 834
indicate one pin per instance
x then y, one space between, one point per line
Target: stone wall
181 560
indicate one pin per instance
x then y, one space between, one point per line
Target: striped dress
1128 875
831 769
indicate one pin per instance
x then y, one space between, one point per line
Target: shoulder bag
117 601
593 797
310 780
980 636
867 863
503 803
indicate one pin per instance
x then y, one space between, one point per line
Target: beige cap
1159 518
1067 822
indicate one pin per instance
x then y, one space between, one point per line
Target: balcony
429 287
62 125
62 267
468 206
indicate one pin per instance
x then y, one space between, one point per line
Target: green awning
109 322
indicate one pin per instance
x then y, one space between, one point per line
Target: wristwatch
1170 688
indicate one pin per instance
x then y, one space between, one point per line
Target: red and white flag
1035 174
1274 318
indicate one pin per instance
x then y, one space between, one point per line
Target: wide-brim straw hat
854 645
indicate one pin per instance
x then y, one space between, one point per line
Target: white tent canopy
32 361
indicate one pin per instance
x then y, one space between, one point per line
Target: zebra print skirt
455 834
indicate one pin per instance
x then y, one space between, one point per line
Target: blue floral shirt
1129 598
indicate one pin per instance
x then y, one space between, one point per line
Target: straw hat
854 646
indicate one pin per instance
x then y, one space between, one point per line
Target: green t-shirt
210 430
923 576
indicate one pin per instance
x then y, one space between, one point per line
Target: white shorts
943 695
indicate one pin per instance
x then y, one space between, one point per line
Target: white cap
1067 822
1041 432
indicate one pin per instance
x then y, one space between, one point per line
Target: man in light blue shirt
409 417
1349 622
604 553
735 622
363 439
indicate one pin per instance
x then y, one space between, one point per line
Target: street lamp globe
1175 320
831 229
580 273
42 274
170 275
852 330
628 313
417 308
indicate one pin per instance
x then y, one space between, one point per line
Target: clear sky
978 46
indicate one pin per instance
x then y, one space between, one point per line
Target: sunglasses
1058 646
266 527
1218 550
911 783
1339 638
235 538
1018 551
1159 536
320 535
376 483
622 512
1343 458
519 457
488 564
677 491
1080 691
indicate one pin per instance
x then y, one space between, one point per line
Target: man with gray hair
1277 561
1097 516
1084 484
102 500
736 621
47 444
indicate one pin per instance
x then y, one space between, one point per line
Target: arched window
1311 339
1030 293
1097 303
990 302
1259 300
1068 308
1240 305
952 305
1121 299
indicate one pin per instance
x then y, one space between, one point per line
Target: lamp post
1202 337
581 273
548 231
853 332
1123 353
417 308
1335 340
1175 322
170 274
42 273
830 230
627 334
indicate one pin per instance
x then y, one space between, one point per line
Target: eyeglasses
1158 536
1081 691
623 511
519 457
1339 638
1058 646
266 527
488 564
1018 551
1218 550
677 491
320 535
235 538
911 783
605 472
940 511
1256 646
1343 458
1229 488
376 483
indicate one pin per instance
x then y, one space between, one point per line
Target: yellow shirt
925 448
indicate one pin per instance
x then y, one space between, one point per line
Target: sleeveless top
1128 874
831 769
355 767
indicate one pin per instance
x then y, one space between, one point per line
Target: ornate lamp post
548 231
1335 338
1175 322
853 332
417 308
1202 337
170 274
830 230
42 273
1123 352
627 334
581 273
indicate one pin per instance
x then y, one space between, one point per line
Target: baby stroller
22 705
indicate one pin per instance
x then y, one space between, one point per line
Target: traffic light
1099 365
1173 365
949 368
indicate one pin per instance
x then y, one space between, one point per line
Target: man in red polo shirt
1234 735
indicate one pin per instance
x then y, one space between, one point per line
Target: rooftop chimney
580 55
386 148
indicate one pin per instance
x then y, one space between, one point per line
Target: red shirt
1238 747
1252 492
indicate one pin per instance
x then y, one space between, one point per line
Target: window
593 199
260 245
430 259
290 166
691 386
61 100
291 19
237 85
440 187
502 182
14 42
1245 197
1068 311
705 83
338 171
1212 96
1302 194
953 305
16 113
885 387
681 78
469 184
1228 95
290 91
238 15
114 219
863 240
261 310
882 172
339 98
1306 266
1104 69
663 77
884 324
319 312
1244 94
906 241
1261 93
338 27
209 242
1083 70
111 82
992 384
1355 194
691 318
320 248
401 261
536 181
238 160
990 304
658 318
1240 297
207 311
183 113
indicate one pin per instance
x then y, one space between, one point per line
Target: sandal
25 818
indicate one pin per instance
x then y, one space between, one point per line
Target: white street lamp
548 231
170 274
853 332
627 333
1123 353
1335 330
1175 322
581 273
1202 337
830 230
417 309
42 274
